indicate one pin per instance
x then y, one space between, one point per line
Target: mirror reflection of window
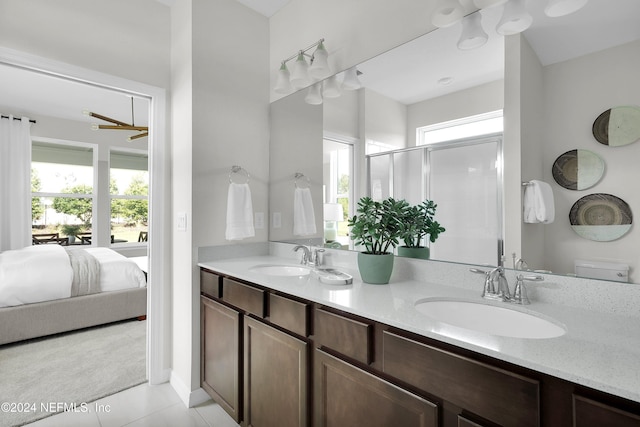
129 191
338 190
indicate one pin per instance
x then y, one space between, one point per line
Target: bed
48 289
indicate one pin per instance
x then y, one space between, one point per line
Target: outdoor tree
36 207
136 210
117 205
80 207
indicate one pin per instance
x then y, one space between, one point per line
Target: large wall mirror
550 83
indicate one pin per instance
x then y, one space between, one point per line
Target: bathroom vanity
291 351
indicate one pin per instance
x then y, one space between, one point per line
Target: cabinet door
220 370
275 377
348 396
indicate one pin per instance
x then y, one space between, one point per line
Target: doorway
157 247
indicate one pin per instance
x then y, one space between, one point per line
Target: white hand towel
239 212
304 219
538 203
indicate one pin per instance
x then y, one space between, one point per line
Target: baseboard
188 397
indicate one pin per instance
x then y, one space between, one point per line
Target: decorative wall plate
578 169
618 126
601 217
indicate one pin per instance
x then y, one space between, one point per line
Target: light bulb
299 76
319 68
283 85
330 88
447 13
557 8
351 80
515 18
314 97
473 36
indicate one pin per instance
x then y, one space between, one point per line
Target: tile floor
142 406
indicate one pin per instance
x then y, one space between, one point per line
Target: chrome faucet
501 292
520 291
310 256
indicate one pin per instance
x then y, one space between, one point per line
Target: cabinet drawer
350 337
243 296
494 394
289 314
590 413
209 283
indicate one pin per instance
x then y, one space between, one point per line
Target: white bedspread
34 274
117 272
43 273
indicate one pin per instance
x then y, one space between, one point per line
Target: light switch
258 221
277 220
181 222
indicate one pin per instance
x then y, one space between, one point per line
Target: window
129 194
69 198
338 188
62 189
472 126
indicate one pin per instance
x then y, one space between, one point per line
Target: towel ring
299 176
238 170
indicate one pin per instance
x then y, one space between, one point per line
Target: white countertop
599 350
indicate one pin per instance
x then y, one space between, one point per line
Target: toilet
602 270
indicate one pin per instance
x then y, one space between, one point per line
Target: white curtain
15 183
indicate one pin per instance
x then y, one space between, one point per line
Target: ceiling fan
118 125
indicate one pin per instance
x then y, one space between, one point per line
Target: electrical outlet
258 221
277 220
181 221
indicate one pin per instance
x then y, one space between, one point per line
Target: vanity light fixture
118 125
473 35
557 8
447 13
351 80
303 73
283 84
314 97
515 18
485 4
330 88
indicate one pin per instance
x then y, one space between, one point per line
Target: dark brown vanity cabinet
273 359
257 372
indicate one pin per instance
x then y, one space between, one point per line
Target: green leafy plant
377 225
70 229
417 222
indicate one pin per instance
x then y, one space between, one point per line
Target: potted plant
376 227
417 224
71 230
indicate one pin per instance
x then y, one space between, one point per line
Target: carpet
38 377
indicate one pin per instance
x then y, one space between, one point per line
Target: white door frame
157 334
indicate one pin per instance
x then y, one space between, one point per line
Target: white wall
123 38
576 92
220 119
385 120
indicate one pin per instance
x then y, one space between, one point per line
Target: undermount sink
281 270
490 319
